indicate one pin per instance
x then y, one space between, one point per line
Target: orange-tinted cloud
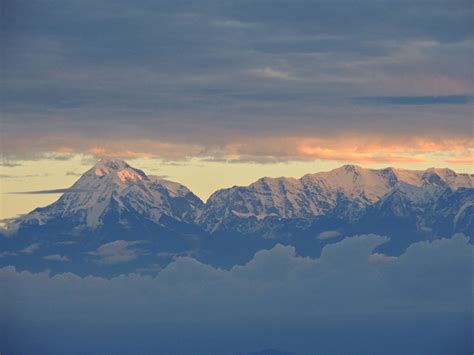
464 158
353 149
342 148
359 157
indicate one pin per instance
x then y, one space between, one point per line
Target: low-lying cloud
56 257
345 279
347 282
116 252
30 249
53 191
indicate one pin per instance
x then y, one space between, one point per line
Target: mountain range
118 217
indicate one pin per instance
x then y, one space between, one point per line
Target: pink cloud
342 148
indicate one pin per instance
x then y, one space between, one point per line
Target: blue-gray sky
181 78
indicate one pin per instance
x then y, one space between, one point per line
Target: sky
218 93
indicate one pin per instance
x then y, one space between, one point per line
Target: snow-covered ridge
113 187
316 194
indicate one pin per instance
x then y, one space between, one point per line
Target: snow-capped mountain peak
112 187
354 181
119 169
106 166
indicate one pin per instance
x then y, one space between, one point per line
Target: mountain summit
118 168
113 190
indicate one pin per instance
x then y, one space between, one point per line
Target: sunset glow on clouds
340 148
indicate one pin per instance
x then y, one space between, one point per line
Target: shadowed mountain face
119 218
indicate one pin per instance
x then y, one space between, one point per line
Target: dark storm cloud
175 70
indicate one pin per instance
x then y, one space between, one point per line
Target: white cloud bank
346 281
346 278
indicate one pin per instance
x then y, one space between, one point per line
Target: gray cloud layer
176 71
